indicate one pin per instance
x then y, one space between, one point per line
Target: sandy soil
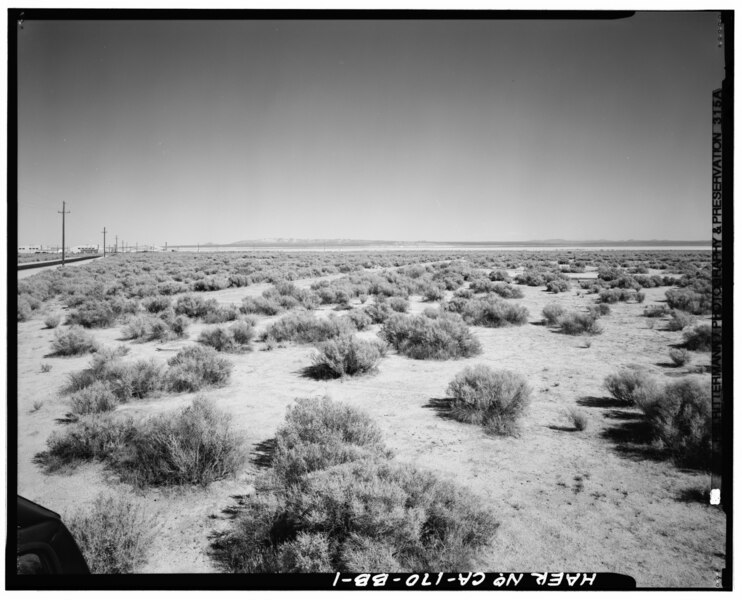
566 500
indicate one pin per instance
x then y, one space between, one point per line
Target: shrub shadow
633 440
262 455
66 419
625 415
562 428
667 365
692 494
600 402
319 372
441 406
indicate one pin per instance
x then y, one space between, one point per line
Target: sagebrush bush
578 418
599 310
432 293
156 304
99 313
398 304
630 386
656 310
306 328
52 321
613 295
24 310
489 311
195 307
577 323
422 337
552 313
364 516
218 338
699 338
493 399
73 342
556 286
147 328
96 398
125 380
196 445
348 355
91 437
221 314
680 416
360 318
196 367
379 312
261 305
319 433
679 356
690 301
680 320
242 332
113 534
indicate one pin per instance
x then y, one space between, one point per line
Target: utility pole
63 212
117 244
104 242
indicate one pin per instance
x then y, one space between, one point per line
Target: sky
214 131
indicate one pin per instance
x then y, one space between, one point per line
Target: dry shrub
630 385
221 314
699 338
552 313
306 328
156 304
125 380
680 320
489 311
679 356
690 301
236 337
113 534
194 446
348 355
195 307
493 399
364 516
578 418
52 321
423 337
320 433
94 313
261 305
656 310
196 367
96 398
398 304
91 437
680 416
73 342
577 323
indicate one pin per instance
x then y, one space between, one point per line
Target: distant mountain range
299 242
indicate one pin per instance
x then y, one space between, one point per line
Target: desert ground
600 499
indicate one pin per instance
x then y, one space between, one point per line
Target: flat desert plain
599 499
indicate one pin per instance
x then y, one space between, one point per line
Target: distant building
84 249
28 249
